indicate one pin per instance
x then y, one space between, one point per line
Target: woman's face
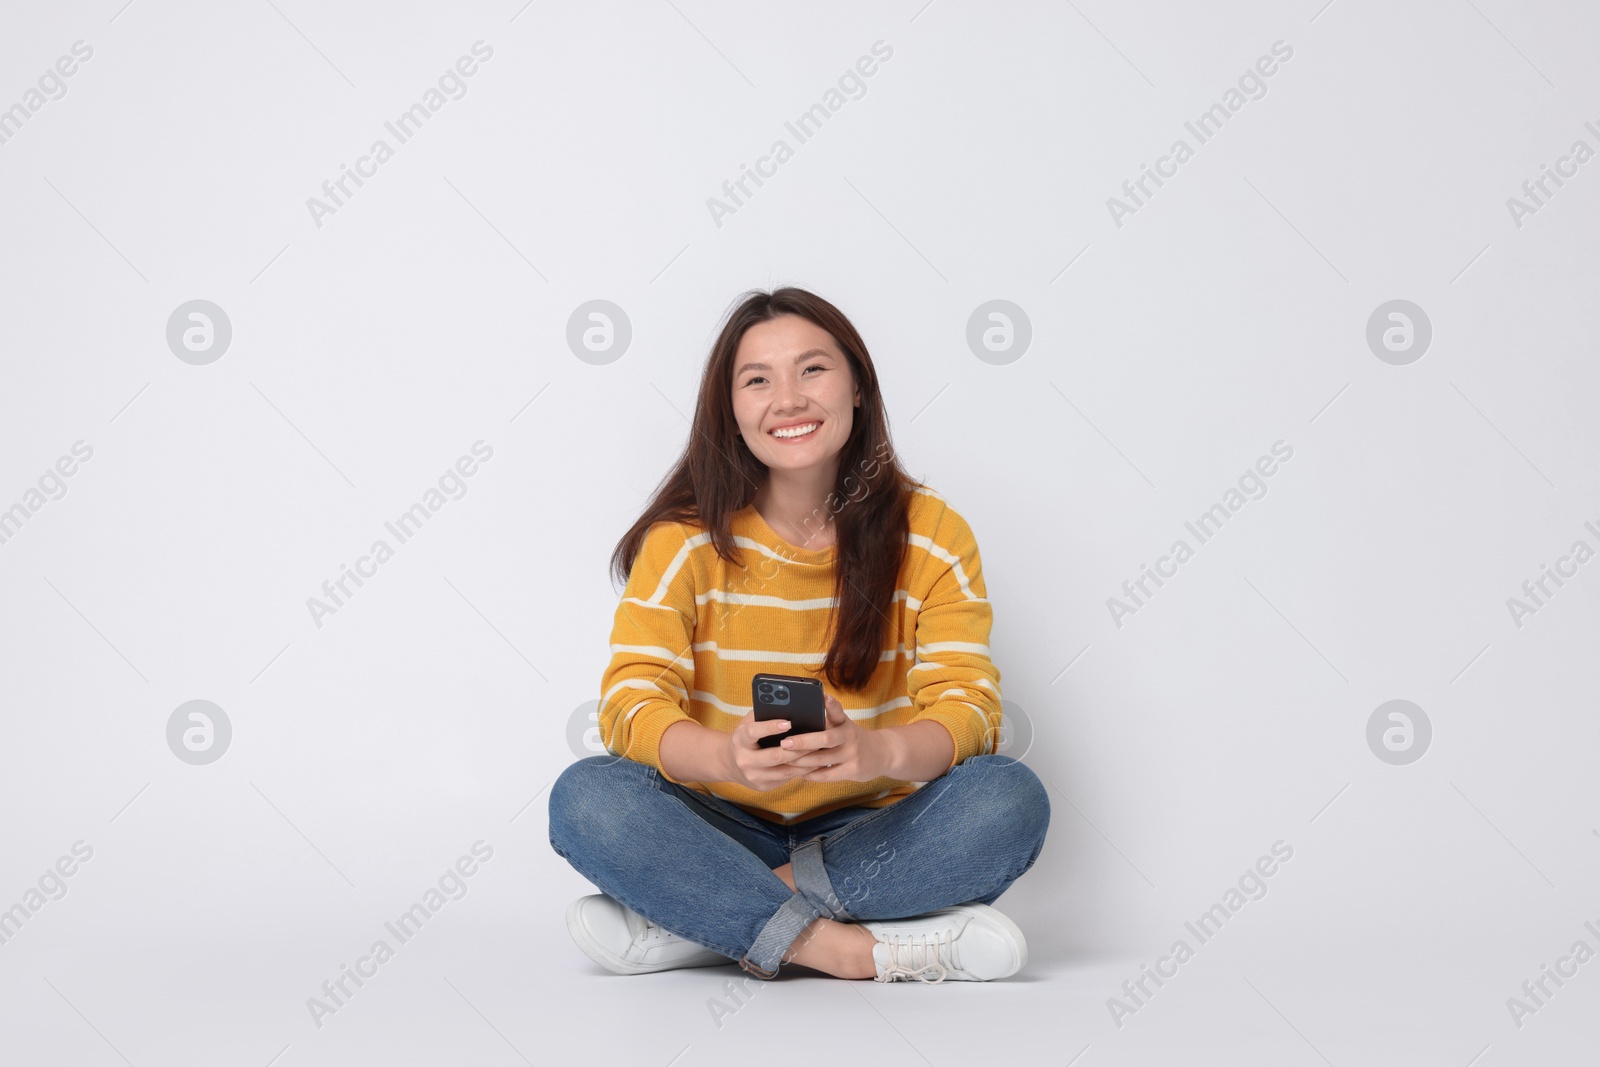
789 373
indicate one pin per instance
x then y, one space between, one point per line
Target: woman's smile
800 431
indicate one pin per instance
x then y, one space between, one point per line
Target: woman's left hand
844 752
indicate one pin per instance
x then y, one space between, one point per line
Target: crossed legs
645 841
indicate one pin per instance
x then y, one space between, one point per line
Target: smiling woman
710 847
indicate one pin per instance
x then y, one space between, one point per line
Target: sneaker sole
614 963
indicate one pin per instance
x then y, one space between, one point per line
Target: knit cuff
649 722
968 728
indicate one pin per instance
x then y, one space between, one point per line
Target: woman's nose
786 394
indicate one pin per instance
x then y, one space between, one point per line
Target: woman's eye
759 378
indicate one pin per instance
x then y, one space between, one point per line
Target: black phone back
784 696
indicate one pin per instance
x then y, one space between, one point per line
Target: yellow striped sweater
692 629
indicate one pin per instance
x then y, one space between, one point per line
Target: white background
432 709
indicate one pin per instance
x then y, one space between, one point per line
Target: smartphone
783 696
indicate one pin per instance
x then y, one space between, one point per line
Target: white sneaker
966 943
625 942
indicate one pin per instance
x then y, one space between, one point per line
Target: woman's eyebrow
811 354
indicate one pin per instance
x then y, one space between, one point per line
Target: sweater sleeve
646 684
952 680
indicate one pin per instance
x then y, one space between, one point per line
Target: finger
820 757
808 742
757 730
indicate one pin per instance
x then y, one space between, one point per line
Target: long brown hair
718 475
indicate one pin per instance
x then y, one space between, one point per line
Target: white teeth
796 431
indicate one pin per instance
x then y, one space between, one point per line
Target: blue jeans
703 868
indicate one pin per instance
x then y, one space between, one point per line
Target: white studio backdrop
1340 345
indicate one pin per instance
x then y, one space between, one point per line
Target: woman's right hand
755 767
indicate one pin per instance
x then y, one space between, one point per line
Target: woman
788 540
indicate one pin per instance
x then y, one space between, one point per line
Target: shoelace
917 957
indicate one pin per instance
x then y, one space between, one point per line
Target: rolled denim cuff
786 924
812 882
